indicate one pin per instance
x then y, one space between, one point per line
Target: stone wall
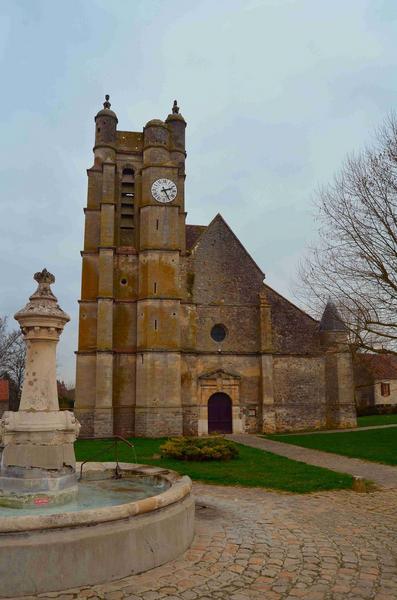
223 270
190 419
299 393
293 331
158 422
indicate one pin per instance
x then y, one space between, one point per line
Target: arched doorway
220 413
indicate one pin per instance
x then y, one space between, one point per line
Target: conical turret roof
331 319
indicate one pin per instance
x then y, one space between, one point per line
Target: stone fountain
38 461
121 518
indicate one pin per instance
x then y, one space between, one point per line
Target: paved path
254 544
322 431
383 475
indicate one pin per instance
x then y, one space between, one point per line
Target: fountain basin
42 552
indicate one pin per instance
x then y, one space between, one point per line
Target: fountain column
38 461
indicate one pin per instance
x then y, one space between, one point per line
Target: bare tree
355 260
12 354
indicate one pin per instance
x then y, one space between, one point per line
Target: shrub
199 448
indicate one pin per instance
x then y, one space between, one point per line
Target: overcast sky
275 94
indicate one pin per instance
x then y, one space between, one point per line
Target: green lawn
378 445
377 420
252 468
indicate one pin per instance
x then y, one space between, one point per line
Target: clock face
164 190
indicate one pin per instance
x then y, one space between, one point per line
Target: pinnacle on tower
175 115
106 111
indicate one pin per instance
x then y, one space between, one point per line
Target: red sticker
39 501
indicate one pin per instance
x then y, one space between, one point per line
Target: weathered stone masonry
153 288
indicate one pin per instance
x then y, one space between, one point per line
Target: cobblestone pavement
253 544
383 475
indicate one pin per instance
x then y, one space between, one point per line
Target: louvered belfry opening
127 208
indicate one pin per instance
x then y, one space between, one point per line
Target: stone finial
44 278
106 112
42 302
174 116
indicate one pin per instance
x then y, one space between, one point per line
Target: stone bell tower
128 360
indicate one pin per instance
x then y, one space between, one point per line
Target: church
178 333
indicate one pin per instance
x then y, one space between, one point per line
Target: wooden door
220 414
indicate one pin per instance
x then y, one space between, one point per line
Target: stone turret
338 369
332 329
105 124
105 133
177 126
156 138
38 461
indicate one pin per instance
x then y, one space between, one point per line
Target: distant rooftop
381 366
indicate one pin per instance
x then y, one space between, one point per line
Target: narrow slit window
157 224
155 287
155 324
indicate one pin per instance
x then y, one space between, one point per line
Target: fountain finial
44 276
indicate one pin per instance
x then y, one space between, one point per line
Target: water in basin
98 494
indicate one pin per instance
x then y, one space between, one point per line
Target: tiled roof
193 233
381 366
4 390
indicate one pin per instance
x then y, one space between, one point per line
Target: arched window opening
127 207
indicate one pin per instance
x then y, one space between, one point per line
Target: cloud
275 94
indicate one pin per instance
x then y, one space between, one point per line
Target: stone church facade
178 334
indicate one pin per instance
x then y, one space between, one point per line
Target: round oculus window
218 332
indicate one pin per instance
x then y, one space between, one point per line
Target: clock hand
164 190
